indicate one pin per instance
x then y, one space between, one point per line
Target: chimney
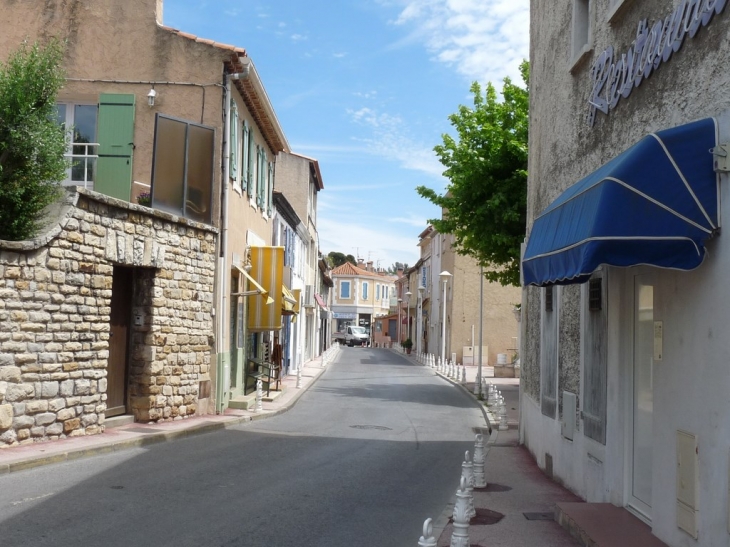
370 266
399 272
158 11
360 263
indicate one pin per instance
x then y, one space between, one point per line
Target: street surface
364 457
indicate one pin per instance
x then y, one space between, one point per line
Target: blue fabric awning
656 204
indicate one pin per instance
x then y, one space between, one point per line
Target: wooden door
121 313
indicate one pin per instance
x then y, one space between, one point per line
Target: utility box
471 355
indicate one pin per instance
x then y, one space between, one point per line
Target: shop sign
340 315
614 76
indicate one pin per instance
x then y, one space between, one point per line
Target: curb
155 437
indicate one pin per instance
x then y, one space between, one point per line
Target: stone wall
55 298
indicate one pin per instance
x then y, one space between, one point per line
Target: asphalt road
369 452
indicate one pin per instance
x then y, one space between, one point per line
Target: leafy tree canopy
338 259
397 266
32 144
484 205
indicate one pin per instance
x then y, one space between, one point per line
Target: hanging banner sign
614 76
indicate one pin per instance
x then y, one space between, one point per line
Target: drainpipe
223 372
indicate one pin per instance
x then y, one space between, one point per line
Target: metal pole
481 317
443 326
419 311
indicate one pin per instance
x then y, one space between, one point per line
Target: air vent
595 294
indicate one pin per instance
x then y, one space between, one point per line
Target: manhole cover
378 427
549 515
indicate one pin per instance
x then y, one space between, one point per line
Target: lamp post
444 276
419 319
400 301
408 314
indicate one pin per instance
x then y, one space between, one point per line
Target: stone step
118 421
604 525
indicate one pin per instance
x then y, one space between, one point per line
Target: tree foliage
484 205
32 144
338 259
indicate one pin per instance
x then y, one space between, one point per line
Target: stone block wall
55 297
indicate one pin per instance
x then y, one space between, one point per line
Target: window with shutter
251 165
260 177
115 136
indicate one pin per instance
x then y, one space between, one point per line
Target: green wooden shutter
233 146
245 158
116 145
261 178
251 164
270 191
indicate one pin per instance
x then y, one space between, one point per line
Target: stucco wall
112 42
55 298
691 379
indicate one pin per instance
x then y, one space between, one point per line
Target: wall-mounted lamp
151 97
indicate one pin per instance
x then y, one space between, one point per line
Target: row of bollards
472 476
449 367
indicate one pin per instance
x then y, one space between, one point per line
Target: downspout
223 364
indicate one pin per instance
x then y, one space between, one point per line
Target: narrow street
367 453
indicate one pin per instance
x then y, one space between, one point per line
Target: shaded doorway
119 332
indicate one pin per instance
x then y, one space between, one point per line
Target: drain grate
378 427
546 515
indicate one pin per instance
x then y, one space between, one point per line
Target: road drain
378 427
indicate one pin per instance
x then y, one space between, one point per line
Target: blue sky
366 88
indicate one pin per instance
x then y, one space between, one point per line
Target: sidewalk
137 434
523 506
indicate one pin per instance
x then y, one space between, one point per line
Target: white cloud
376 242
298 37
390 141
483 40
339 55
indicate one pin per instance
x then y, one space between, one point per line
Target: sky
366 88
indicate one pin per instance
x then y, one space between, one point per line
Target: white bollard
463 374
427 539
259 395
299 377
503 426
467 472
480 480
460 535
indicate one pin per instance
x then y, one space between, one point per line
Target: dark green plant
484 205
32 143
407 343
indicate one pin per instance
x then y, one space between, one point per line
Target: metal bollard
460 535
427 539
480 480
467 473
259 395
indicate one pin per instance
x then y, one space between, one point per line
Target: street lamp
400 300
444 276
419 319
408 316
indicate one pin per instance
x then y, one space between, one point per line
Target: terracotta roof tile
219 45
349 269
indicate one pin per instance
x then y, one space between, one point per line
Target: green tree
338 259
484 205
32 144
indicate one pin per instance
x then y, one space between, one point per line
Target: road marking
26 500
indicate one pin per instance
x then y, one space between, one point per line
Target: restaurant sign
614 76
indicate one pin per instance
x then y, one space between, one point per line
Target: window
250 162
364 290
344 289
595 357
80 120
581 35
549 354
270 189
377 292
182 168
